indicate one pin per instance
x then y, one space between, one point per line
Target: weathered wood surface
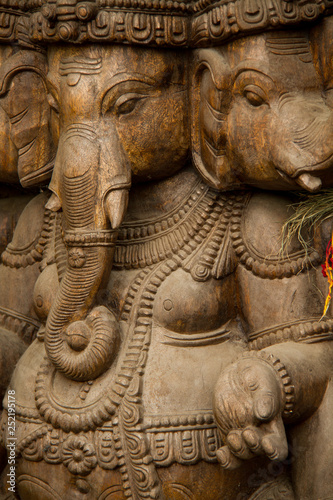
158 342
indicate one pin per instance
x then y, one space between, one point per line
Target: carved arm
257 394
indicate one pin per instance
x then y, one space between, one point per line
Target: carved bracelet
281 371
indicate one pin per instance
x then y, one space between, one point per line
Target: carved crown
165 23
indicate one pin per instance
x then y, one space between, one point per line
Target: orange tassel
327 270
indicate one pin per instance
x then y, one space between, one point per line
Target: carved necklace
147 242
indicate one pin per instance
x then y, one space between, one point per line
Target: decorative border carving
183 439
53 446
269 267
309 331
70 421
224 20
152 241
186 447
23 257
281 371
217 258
168 23
24 326
90 238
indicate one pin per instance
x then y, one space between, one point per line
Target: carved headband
159 23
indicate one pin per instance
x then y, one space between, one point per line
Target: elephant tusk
54 203
309 182
116 205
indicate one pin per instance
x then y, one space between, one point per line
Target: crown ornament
164 23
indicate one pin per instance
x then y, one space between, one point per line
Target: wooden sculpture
157 342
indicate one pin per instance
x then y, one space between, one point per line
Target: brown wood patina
158 343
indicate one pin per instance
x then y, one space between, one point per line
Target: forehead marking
74 67
80 65
290 45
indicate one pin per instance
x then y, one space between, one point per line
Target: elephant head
118 112
261 114
27 150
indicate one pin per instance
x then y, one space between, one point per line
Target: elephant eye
127 107
127 103
123 105
254 95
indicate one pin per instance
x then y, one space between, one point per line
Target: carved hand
248 404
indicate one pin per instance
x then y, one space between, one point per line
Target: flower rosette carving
76 257
79 455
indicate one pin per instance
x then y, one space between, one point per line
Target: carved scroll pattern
221 21
185 446
118 26
168 22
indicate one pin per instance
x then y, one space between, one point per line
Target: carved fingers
268 439
248 405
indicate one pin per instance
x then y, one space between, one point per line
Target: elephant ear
8 152
321 37
23 97
321 42
211 98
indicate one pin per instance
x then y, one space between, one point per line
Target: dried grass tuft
310 210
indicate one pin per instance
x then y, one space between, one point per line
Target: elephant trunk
305 152
92 188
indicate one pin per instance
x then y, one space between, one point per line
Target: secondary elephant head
261 114
118 112
26 147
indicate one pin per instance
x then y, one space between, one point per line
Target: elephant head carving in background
261 112
27 150
117 113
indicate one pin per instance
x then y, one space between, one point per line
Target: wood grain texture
158 342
